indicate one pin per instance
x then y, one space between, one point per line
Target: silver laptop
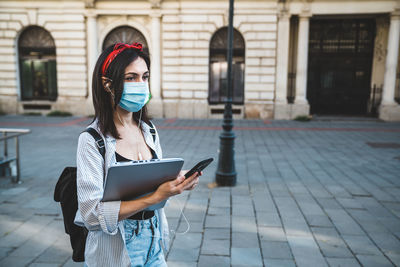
134 179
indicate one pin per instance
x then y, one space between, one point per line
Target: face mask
135 96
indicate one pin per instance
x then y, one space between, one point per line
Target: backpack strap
98 140
152 131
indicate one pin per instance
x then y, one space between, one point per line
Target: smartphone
199 167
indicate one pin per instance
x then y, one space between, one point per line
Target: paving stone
8 224
39 242
219 211
271 234
394 257
220 201
25 231
374 260
279 263
217 233
181 264
329 203
244 240
296 226
386 242
288 207
5 251
15 261
361 245
246 256
342 262
220 261
71 263
219 247
268 219
242 210
331 243
393 224
276 250
344 223
57 253
183 254
306 251
244 224
190 226
35 264
318 220
218 221
188 240
349 203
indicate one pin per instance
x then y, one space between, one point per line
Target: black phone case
199 167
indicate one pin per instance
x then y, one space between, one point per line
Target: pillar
389 109
92 54
156 105
300 106
281 107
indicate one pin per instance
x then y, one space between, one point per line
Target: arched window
37 62
125 34
218 84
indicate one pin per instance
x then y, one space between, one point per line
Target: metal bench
6 160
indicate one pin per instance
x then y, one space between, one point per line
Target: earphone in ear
107 87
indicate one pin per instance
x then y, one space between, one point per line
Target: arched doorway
37 62
125 34
218 84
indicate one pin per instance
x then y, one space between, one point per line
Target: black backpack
65 193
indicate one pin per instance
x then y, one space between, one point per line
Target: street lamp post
226 173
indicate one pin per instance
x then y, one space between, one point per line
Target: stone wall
186 34
66 24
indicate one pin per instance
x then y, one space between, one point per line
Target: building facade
290 58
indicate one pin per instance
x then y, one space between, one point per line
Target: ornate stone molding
89 3
155 3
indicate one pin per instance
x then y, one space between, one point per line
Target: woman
120 232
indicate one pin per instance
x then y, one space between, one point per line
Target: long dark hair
102 100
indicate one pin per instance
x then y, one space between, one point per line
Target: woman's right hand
175 187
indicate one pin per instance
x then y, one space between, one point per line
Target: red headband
118 48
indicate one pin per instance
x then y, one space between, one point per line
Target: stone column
156 105
281 107
300 106
389 109
92 54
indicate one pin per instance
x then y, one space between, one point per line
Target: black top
120 158
142 215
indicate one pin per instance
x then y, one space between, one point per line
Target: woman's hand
196 181
177 186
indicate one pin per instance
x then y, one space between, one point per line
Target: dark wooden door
340 63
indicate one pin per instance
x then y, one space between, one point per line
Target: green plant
32 114
303 118
59 113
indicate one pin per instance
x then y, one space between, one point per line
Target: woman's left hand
195 181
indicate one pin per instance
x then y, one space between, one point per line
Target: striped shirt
105 243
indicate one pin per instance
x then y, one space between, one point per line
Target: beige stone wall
186 33
66 24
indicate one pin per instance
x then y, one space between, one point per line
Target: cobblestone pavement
319 193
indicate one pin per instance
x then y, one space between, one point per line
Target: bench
10 165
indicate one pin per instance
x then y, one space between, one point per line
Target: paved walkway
321 193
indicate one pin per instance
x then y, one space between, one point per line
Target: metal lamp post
226 173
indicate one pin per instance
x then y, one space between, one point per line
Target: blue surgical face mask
135 96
